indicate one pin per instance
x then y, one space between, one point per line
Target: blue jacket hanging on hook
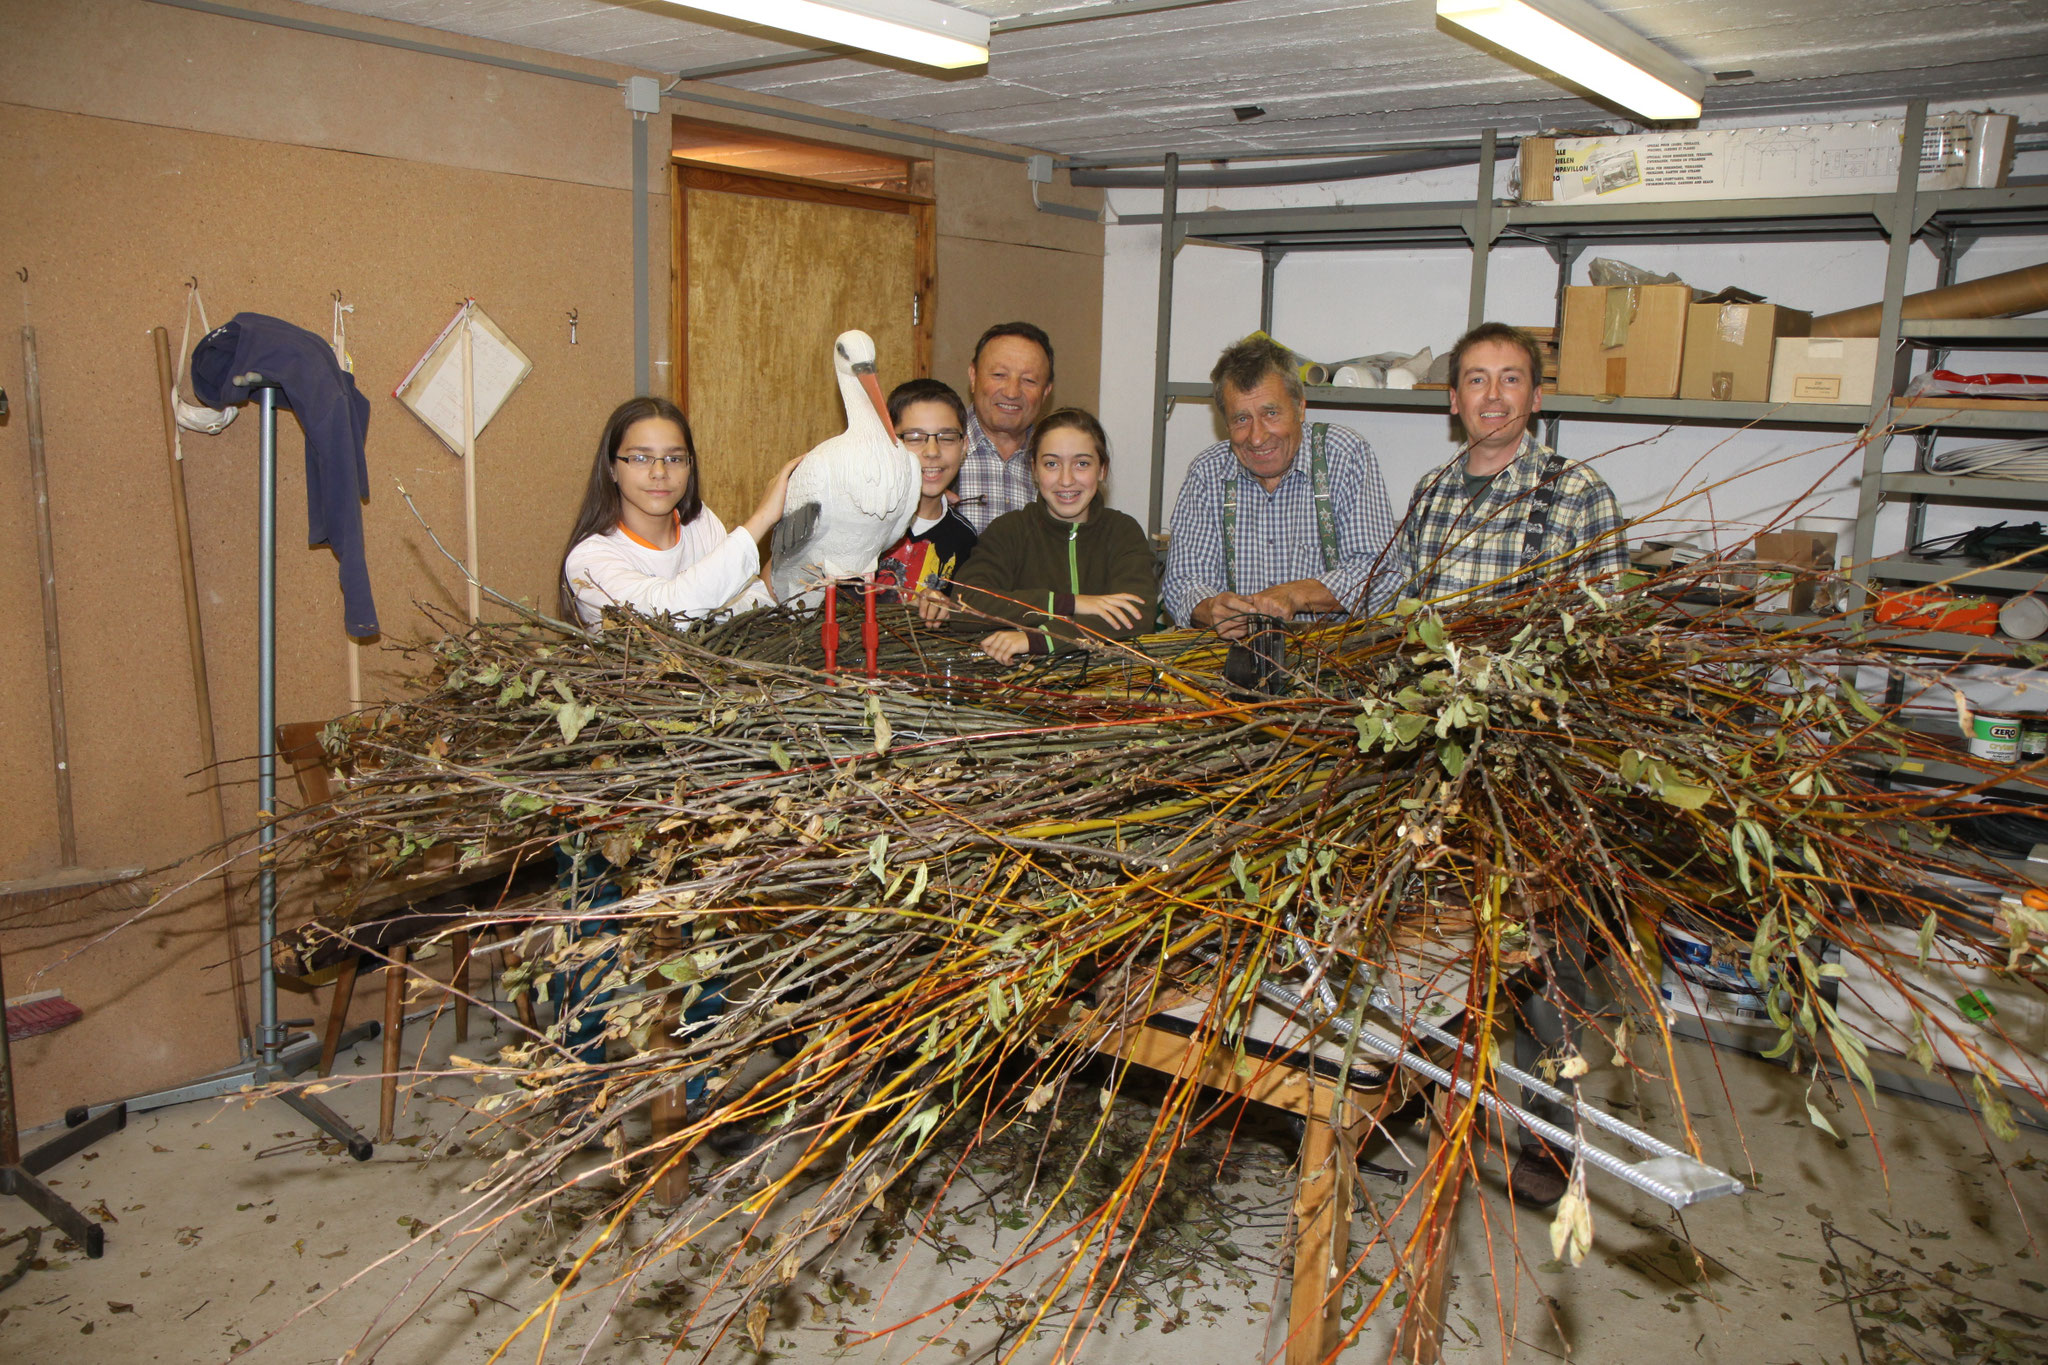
335 418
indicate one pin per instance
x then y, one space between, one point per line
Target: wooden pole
46 578
394 1037
202 694
469 461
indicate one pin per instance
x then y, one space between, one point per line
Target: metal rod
643 373
1155 497
1269 262
1482 237
266 719
1381 999
1678 1194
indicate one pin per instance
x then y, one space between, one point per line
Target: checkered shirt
1277 540
988 484
1460 547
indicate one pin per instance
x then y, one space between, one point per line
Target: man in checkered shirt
1008 382
1281 520
1502 514
1505 512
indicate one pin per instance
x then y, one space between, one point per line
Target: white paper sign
432 389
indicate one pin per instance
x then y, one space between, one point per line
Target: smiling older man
1283 519
1008 382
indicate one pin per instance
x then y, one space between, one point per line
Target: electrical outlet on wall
1038 169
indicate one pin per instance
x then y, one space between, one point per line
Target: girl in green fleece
1065 567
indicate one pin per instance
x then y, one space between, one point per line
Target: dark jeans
1547 1033
586 886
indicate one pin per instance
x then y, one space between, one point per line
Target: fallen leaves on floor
1903 1315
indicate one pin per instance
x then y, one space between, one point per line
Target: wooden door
769 271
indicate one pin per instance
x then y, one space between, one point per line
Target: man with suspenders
1259 531
1504 514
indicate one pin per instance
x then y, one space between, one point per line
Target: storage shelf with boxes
1624 351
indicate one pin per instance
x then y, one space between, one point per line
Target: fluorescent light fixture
1587 48
922 31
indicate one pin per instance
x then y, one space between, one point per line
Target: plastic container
1994 738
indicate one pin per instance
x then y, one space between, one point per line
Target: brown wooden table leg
459 980
1322 1248
669 1113
337 1012
1426 1265
510 957
394 1037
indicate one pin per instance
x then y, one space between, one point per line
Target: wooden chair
396 913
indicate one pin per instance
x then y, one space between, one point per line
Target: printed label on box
1817 388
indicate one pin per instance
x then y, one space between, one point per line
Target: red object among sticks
830 633
40 1016
870 637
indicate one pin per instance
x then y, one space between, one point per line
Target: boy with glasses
931 422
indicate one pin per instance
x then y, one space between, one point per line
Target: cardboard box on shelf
1788 562
1824 370
1729 346
1744 163
1623 339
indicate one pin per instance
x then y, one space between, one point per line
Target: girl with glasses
644 538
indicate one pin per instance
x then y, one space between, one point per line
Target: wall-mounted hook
22 274
337 296
192 282
572 326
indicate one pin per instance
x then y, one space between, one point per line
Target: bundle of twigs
904 884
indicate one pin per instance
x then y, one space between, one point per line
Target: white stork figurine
852 495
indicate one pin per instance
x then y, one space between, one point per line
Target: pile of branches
921 895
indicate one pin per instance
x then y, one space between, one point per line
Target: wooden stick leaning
202 694
469 462
46 580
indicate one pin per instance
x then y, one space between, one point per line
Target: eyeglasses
642 460
949 439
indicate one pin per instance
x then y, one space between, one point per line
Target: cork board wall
110 218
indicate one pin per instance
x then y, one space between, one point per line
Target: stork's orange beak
874 388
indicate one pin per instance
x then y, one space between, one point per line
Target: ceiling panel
1327 73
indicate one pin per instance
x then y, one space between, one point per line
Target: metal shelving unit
1950 220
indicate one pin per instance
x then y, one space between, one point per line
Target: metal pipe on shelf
1155 496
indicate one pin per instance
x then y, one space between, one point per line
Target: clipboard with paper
433 388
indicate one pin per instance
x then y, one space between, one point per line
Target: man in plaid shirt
1278 521
1008 382
1505 511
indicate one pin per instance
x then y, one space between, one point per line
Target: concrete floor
229 1232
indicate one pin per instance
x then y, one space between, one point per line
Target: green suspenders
1319 485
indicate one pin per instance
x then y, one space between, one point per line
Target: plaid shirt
1459 546
988 484
1276 537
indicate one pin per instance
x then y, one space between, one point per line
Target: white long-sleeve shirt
708 568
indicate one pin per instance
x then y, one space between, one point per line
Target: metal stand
20 1172
275 1060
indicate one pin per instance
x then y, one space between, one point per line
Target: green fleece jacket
1029 566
